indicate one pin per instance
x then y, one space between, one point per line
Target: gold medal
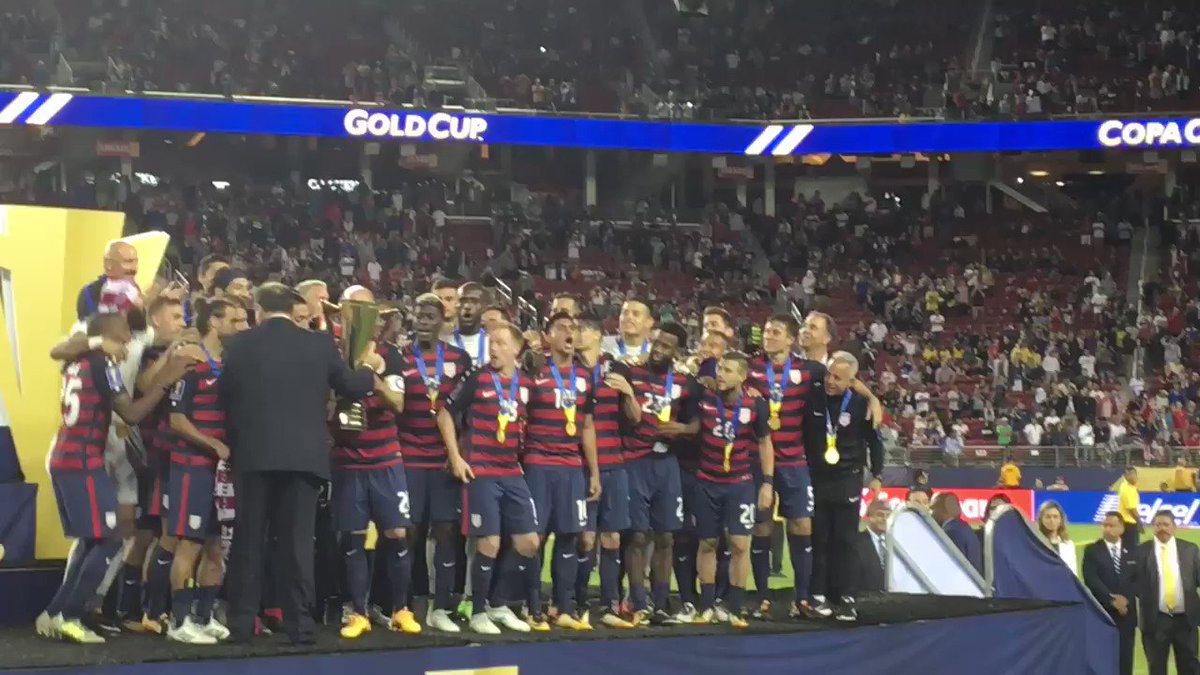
501 427
728 453
831 452
570 413
433 396
774 423
664 415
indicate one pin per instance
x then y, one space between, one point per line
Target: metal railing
1121 454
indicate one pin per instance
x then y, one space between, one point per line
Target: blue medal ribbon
621 346
212 363
566 396
507 405
733 426
432 383
831 452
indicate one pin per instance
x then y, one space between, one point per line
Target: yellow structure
46 256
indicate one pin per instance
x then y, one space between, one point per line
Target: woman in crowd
1052 523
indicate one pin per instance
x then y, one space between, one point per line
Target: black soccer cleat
661 618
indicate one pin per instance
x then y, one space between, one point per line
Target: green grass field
1082 535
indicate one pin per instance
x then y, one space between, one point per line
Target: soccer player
468 334
560 437
493 316
733 434
788 384
634 324
206 270
656 399
199 422
566 303
369 486
231 282
718 320
447 291
493 400
431 369
86 494
610 514
141 607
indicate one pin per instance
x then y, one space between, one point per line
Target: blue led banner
297 119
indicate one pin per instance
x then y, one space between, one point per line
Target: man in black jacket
1167 578
1108 572
870 548
836 466
275 387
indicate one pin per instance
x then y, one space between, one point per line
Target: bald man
947 511
120 264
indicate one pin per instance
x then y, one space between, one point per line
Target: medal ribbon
831 452
502 418
733 427
621 346
212 363
566 393
775 389
432 383
664 415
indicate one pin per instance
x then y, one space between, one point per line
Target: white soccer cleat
46 626
505 617
190 633
480 623
215 630
439 620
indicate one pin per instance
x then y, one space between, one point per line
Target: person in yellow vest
1128 501
1010 473
1185 476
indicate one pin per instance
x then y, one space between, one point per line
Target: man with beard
634 326
657 400
559 438
431 369
198 421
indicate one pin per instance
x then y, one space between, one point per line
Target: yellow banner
46 256
500 670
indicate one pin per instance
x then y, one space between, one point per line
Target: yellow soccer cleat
403 621
538 623
75 631
585 619
354 626
738 622
568 622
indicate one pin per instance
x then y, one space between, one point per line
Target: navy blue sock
91 574
760 564
722 568
131 591
659 591
610 576
400 564
708 595
181 604
79 551
583 577
684 562
482 569
445 560
158 583
358 583
637 594
800 551
566 569
206 597
532 571
734 598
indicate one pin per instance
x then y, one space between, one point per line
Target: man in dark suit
947 511
1167 578
870 547
1108 572
275 386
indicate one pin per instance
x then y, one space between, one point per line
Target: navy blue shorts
499 504
611 512
152 486
559 497
191 510
434 496
655 494
724 506
793 489
364 495
87 502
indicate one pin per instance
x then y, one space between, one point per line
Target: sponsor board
1090 507
973 500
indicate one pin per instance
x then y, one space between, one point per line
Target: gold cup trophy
358 322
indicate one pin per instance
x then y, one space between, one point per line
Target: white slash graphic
793 138
49 109
763 139
17 106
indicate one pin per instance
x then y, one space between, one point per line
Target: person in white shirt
1051 365
1052 523
878 332
1087 365
1033 433
937 322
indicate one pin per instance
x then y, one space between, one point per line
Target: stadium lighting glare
1039 173
542 49
220 184
1020 180
1096 172
1059 183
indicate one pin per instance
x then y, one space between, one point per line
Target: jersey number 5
70 400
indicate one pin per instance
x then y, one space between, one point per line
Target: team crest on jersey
744 416
524 394
581 384
194 522
449 369
476 520
395 383
796 376
676 391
